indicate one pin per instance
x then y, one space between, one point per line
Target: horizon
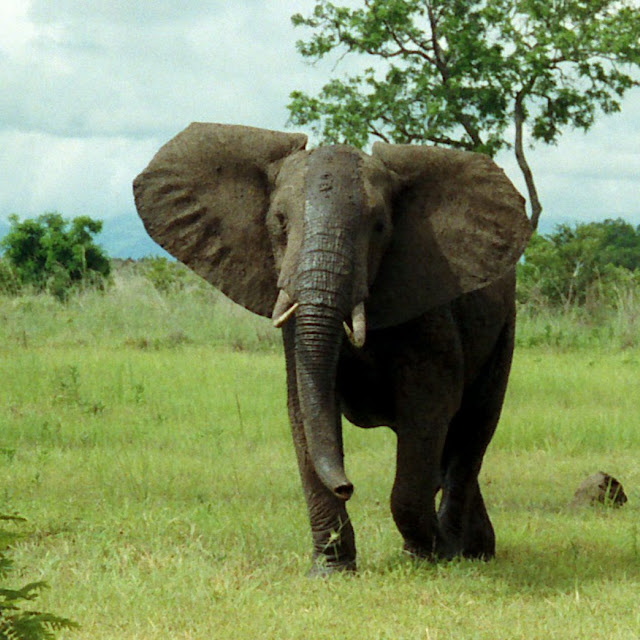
117 240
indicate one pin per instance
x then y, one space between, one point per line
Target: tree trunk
534 201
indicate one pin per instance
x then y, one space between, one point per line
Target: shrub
168 276
17 623
9 279
52 254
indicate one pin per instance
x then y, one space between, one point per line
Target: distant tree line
575 265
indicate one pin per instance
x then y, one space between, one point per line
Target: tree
54 253
470 74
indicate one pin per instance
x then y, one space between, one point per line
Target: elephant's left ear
459 224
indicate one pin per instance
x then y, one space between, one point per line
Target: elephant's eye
379 226
282 222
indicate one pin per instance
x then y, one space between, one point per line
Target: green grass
145 439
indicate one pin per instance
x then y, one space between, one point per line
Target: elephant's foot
467 530
334 550
323 568
418 552
478 544
472 548
424 549
479 553
479 540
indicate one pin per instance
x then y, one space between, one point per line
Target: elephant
392 278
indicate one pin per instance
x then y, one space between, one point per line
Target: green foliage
9 279
469 74
596 262
17 623
52 253
451 72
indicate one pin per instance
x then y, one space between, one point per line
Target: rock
600 488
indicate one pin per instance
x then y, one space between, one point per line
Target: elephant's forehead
334 179
346 167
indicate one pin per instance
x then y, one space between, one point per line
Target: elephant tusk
357 336
284 309
347 330
282 319
359 325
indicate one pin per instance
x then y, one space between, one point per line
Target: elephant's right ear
204 198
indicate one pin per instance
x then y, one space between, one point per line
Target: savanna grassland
144 437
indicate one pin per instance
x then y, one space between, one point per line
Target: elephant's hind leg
413 495
428 379
462 515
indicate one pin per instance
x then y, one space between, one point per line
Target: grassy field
145 439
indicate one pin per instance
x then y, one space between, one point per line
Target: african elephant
410 252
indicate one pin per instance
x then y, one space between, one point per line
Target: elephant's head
332 236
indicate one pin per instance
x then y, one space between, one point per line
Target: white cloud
98 69
16 29
92 89
588 176
75 176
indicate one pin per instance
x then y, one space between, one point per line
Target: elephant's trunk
318 339
327 287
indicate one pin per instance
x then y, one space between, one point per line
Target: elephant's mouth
355 327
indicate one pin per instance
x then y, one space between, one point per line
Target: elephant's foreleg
428 379
333 537
464 522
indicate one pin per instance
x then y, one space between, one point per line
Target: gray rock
600 488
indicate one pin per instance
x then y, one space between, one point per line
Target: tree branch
403 50
445 74
376 132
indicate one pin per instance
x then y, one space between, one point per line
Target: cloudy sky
91 89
